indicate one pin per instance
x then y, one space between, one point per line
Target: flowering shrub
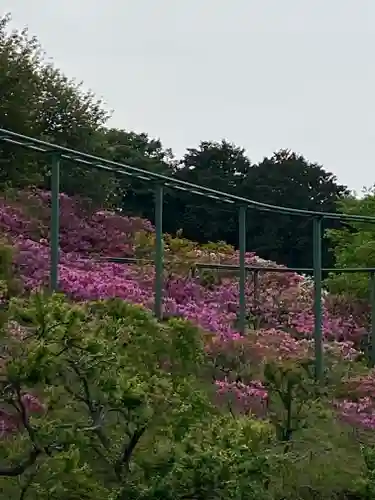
266 374
82 230
250 398
283 299
280 308
114 383
357 402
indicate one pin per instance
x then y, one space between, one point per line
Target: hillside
283 300
274 359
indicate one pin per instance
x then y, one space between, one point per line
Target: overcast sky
265 74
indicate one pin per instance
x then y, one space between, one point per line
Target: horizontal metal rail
233 267
143 174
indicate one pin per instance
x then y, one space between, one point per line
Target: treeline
37 99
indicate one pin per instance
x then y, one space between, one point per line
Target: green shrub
109 403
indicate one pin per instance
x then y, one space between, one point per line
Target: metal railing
59 153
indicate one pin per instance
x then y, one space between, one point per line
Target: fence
59 153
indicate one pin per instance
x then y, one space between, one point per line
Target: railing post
256 288
242 280
159 252
372 291
318 331
55 223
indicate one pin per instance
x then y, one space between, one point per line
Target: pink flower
32 403
8 424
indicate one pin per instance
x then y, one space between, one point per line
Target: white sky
265 74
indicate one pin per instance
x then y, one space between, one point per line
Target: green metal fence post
55 223
317 261
256 288
372 289
159 252
242 284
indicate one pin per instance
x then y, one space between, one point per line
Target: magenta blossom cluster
83 230
11 420
358 408
251 398
359 413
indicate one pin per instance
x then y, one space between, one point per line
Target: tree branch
25 419
95 415
128 449
19 469
27 484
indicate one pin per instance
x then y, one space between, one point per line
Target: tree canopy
285 179
37 99
290 180
354 246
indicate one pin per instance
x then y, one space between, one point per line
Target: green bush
109 403
353 246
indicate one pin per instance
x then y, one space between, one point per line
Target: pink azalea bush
283 305
251 398
358 406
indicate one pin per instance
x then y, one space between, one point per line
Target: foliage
86 370
220 459
365 487
354 246
134 196
39 100
284 300
205 441
288 179
219 166
88 390
285 179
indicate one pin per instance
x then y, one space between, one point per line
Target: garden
99 400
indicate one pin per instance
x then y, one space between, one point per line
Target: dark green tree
288 179
135 196
39 100
218 165
354 246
